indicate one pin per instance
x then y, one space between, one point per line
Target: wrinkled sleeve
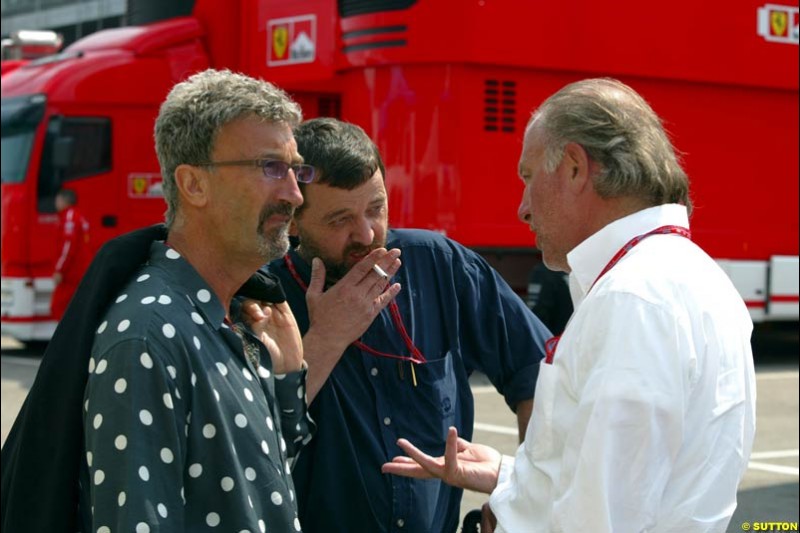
501 336
134 428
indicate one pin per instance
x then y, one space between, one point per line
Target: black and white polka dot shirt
183 431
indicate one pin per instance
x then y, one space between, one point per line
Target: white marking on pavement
777 375
778 454
21 361
775 469
491 428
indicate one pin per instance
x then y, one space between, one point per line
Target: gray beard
274 245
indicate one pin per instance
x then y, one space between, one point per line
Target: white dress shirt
645 419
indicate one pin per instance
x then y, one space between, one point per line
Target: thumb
317 282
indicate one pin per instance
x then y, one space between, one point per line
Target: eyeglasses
274 169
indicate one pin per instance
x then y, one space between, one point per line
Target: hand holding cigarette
379 271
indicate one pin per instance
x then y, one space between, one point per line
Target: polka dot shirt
183 431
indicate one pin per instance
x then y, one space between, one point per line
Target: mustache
282 208
360 249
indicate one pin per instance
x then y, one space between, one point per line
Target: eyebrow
346 210
296 159
380 200
335 214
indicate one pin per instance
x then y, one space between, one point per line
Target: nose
289 191
524 209
363 233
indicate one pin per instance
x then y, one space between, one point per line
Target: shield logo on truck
779 24
779 21
280 41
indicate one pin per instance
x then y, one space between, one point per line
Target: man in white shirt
645 409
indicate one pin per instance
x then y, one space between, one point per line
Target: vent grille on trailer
348 8
499 105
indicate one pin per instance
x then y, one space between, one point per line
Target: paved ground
768 493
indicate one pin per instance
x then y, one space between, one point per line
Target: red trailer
445 88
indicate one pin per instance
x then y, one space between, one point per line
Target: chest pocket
430 407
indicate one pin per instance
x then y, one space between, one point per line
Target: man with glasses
190 421
389 357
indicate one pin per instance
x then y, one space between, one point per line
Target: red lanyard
663 230
552 343
415 357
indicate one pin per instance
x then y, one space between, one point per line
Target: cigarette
379 271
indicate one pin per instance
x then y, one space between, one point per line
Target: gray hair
196 109
620 131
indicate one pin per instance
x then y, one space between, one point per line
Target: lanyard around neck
552 343
663 230
415 357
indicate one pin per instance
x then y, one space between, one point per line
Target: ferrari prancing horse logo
280 41
778 20
779 23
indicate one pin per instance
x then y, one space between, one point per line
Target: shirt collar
186 279
588 259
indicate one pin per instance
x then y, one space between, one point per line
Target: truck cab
63 127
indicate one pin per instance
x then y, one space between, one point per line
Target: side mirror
62 152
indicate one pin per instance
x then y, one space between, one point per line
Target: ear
577 166
193 184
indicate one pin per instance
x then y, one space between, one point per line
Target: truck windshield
20 117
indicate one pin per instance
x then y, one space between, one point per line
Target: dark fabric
463 317
183 414
41 457
263 286
549 298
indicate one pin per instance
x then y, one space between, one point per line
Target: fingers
381 282
253 310
451 455
404 459
423 459
388 295
405 469
281 309
317 282
462 444
390 263
364 271
364 267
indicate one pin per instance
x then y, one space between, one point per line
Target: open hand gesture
464 464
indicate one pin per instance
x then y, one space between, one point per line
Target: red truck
445 88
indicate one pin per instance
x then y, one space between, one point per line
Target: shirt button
374 371
387 421
400 522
